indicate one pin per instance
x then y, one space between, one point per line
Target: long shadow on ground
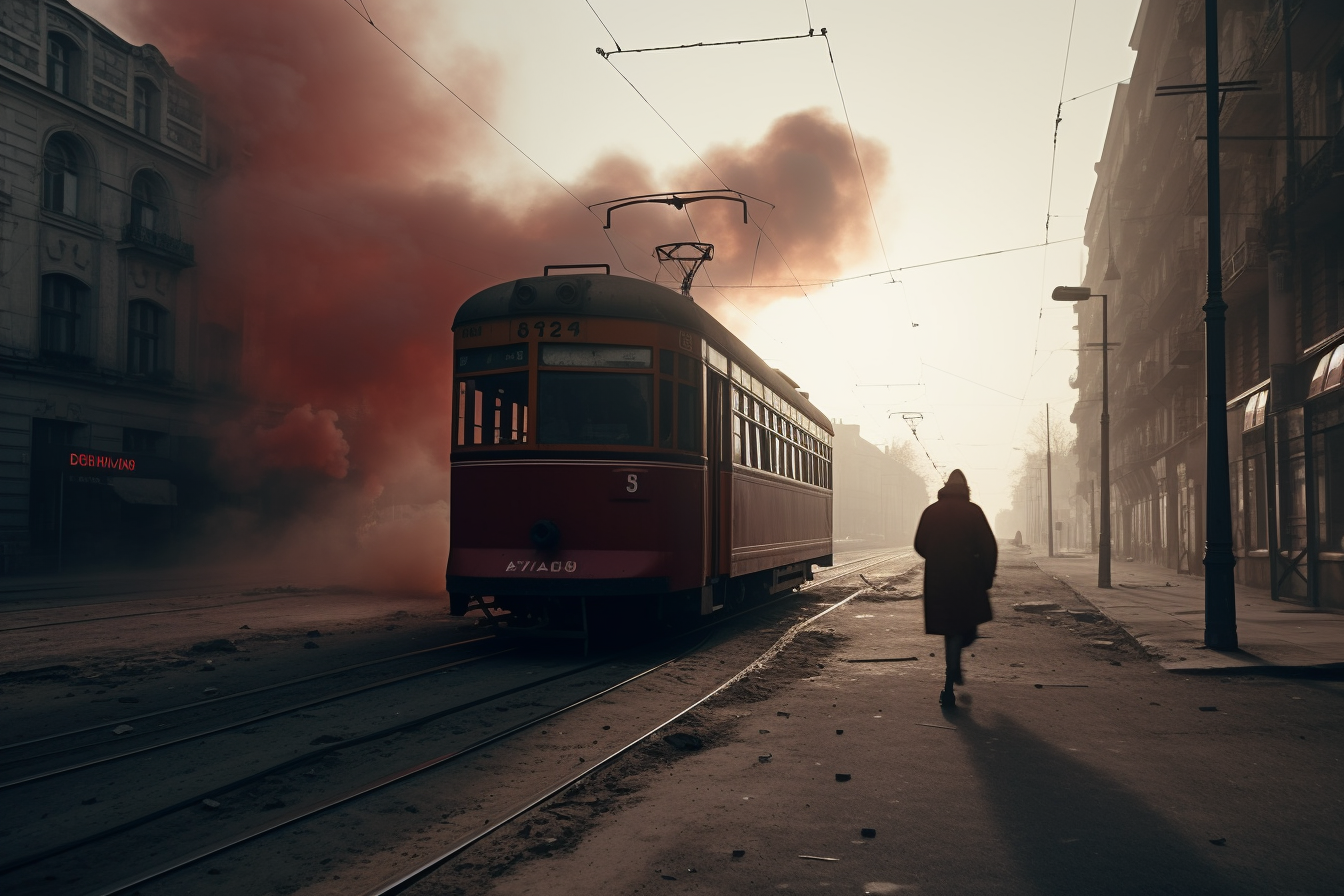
1071 829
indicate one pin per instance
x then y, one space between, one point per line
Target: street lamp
1082 294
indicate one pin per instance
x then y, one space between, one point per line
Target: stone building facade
878 499
1282 170
109 376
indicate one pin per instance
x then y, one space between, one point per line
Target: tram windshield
492 410
594 408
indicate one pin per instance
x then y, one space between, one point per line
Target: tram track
831 575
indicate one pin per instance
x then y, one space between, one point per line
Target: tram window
688 417
494 357
492 410
737 447
667 362
559 354
666 412
688 369
594 408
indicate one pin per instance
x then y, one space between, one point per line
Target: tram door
717 451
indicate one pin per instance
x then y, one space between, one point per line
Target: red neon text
102 461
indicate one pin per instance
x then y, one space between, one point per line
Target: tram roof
606 295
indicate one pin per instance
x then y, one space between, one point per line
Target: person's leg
952 647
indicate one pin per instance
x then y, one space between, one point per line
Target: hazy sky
962 96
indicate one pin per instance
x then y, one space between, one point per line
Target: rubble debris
841 776
218 645
839 731
1208 709
210 692
739 853
1037 606
681 740
1038 686
868 833
210 804
208 667
819 858
883 659
243 628
1220 841
309 645
122 729
764 730
781 713
764 757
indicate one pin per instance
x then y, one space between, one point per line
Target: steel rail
215 701
283 821
403 882
295 761
236 603
250 720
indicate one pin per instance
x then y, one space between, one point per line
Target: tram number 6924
548 329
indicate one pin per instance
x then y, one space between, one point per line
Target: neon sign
102 462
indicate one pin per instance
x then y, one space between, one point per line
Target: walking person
960 557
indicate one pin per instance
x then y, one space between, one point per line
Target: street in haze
476 448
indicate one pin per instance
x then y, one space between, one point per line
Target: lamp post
1082 294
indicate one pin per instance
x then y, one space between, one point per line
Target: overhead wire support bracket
677 200
811 32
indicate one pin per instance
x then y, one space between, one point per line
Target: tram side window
666 412
594 408
688 417
492 410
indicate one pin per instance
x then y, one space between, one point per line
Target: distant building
104 357
877 498
1282 233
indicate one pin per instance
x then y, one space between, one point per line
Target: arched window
146 200
62 65
64 304
146 108
60 176
144 338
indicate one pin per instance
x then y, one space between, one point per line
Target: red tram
611 438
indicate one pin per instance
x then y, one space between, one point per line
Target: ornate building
106 367
1282 169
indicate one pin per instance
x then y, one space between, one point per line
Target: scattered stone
326 739
89 802
210 692
784 714
124 699
764 757
841 776
309 645
819 858
1221 841
682 741
764 730
1084 616
122 729
839 731
208 667
218 645
1102 643
739 853
212 805
606 727
412 809
1208 709
1037 606
868 833
314 634
244 628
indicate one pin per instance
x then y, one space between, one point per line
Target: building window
144 338
146 108
64 300
143 441
145 200
62 65
60 176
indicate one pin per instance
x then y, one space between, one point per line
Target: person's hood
956 487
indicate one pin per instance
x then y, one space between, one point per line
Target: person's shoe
947 699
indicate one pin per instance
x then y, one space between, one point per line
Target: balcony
161 244
1246 271
1186 349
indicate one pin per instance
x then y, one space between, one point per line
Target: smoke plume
342 232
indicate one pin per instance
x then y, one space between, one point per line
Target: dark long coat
960 557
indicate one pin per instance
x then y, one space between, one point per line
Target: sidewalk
1164 611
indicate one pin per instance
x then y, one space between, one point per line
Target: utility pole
1049 489
1220 610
